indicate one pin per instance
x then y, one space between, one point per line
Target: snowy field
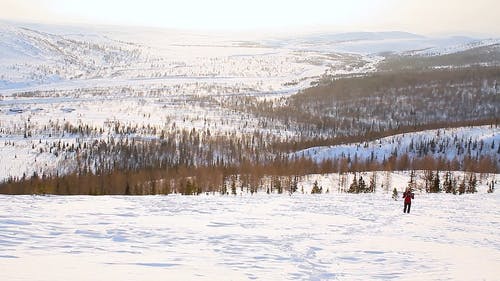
261 237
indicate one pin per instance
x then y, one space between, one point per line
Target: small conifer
395 194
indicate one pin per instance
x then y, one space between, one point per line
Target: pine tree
316 189
412 184
462 187
233 187
373 182
223 190
354 187
127 189
294 185
448 182
435 188
472 183
395 194
343 182
454 186
277 185
428 180
361 185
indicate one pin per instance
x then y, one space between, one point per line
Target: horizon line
298 29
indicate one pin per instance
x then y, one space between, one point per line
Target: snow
372 43
37 55
83 75
454 45
385 147
331 236
54 56
21 157
265 237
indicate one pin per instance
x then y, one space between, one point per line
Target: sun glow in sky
421 16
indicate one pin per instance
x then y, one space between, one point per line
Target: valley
94 101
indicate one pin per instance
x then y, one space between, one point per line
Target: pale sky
419 16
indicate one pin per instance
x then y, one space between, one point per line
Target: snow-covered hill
373 43
35 54
448 144
88 56
31 57
454 45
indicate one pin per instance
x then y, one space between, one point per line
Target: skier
407 195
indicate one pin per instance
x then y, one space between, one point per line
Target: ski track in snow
259 237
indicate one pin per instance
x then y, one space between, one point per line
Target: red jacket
407 195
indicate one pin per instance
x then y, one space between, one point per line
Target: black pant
407 205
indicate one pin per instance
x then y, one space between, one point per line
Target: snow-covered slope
372 43
56 56
445 143
31 57
454 45
259 237
36 54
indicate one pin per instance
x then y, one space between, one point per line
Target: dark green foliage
373 183
233 187
358 185
354 187
277 185
462 187
485 54
395 194
472 183
362 185
454 186
428 180
436 185
449 184
412 183
294 184
223 190
316 189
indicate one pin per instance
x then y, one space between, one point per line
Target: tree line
151 159
164 167
377 105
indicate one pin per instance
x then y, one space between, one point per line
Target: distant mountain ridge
32 54
361 36
397 42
